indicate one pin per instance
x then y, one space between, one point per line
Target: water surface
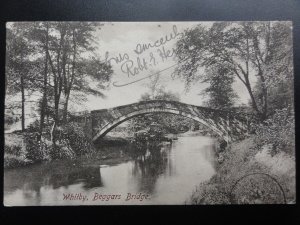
165 176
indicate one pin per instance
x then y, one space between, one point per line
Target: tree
54 59
219 91
19 66
45 81
73 62
159 124
279 72
69 52
155 87
246 49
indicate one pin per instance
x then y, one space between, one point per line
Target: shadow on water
149 163
53 175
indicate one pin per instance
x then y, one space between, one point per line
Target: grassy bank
244 158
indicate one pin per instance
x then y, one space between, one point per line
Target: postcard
149 113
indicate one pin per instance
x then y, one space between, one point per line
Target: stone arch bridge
227 124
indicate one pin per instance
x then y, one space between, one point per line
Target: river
166 176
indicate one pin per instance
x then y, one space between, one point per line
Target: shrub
12 161
74 139
14 144
209 193
278 131
34 149
13 150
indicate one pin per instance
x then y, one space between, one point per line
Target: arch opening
108 127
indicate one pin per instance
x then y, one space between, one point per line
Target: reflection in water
169 173
149 165
33 180
91 177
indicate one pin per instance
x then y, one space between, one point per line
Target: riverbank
17 152
108 155
244 158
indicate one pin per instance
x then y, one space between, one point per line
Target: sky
123 41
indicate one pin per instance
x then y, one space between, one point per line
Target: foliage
240 160
10 119
219 91
278 131
209 194
35 150
72 141
74 138
155 126
260 51
13 161
49 61
18 58
13 150
20 68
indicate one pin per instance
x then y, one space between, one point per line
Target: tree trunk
53 137
265 95
22 93
65 116
68 83
23 102
56 118
57 86
254 105
44 100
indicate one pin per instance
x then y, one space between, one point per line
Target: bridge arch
109 126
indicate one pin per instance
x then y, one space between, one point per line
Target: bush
210 194
73 138
278 131
240 159
12 161
71 141
34 149
13 150
14 145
